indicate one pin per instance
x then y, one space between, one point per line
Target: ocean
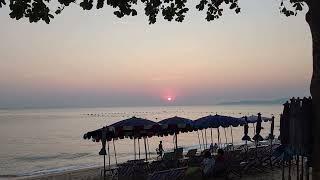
43 141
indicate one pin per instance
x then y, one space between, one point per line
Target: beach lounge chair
202 152
132 171
171 174
156 166
169 160
178 153
168 156
191 153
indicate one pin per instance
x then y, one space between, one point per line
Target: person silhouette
160 149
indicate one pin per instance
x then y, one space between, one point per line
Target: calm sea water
39 141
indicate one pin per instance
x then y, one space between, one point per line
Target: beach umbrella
246 137
252 119
174 126
257 137
96 135
217 121
134 128
208 122
284 124
271 135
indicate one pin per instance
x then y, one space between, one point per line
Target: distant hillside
255 102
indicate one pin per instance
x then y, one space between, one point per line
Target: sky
92 58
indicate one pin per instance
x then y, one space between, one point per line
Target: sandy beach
94 174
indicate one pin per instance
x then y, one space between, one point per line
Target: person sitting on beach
207 164
213 148
220 156
220 167
160 149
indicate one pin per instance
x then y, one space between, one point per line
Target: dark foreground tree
44 10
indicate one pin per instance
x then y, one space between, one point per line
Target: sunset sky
92 58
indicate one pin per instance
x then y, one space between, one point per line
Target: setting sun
169 98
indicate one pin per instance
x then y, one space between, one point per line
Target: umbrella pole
282 163
199 139
139 147
307 169
211 136
246 150
176 141
254 129
115 152
145 148
225 135
148 148
298 164
202 140
134 141
302 168
109 155
271 151
289 178
219 142
231 136
104 167
205 134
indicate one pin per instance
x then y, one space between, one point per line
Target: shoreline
84 173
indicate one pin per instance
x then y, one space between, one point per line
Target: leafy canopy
36 10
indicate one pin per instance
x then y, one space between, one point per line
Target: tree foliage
42 10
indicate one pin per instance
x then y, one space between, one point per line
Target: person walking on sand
160 149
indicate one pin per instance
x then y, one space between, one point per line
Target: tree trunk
313 19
